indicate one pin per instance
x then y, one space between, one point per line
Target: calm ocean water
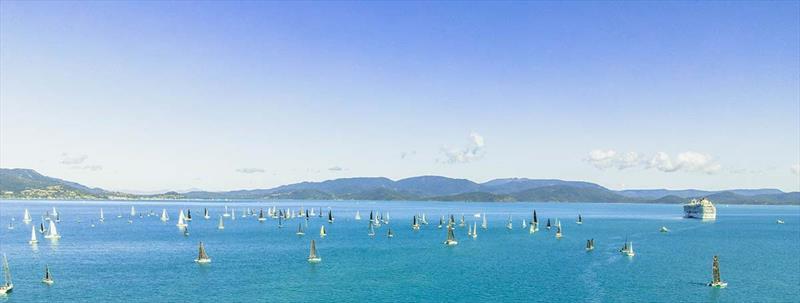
152 261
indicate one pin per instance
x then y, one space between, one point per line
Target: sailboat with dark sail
202 256
415 224
7 285
548 224
330 216
627 249
558 229
580 220
716 281
312 255
390 234
300 231
590 245
451 237
534 226
48 278
205 214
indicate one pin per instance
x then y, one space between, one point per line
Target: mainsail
312 254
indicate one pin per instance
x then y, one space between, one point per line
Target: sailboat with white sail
33 236
221 224
133 211
558 229
484 224
7 285
534 226
371 231
226 214
474 230
590 245
627 249
423 220
312 255
52 232
202 256
26 217
181 220
462 223
322 232
102 217
164 216
300 231
358 215
509 224
48 278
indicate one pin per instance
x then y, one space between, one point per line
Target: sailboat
48 278
509 224
202 256
779 221
462 223
558 229
534 224
300 231
205 214
33 236
441 222
322 232
627 249
580 220
590 245
226 214
423 220
330 216
548 224
26 218
474 230
102 217
52 233
469 230
188 215
524 224
186 231
414 224
312 255
221 224
164 216
233 214
715 279
371 231
390 234
485 224
261 217
41 228
133 211
664 229
386 218
358 215
181 220
451 237
11 225
8 285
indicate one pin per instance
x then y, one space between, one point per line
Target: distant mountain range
29 184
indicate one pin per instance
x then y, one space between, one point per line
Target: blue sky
150 96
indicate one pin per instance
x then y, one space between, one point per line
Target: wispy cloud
336 168
68 159
250 170
796 169
404 155
87 167
688 161
473 151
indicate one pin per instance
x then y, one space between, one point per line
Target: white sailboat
52 232
312 255
371 232
322 232
102 217
202 256
627 249
33 236
181 220
300 231
509 224
8 285
164 216
474 230
26 218
226 214
358 215
558 229
221 224
485 224
133 211
524 224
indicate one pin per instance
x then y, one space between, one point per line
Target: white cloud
336 168
404 155
473 151
689 161
250 170
68 159
604 159
796 169
88 167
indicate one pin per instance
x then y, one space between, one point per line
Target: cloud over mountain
473 151
688 161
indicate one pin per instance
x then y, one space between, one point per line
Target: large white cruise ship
700 209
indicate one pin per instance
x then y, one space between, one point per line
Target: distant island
28 184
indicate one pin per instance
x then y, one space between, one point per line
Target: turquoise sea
152 261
